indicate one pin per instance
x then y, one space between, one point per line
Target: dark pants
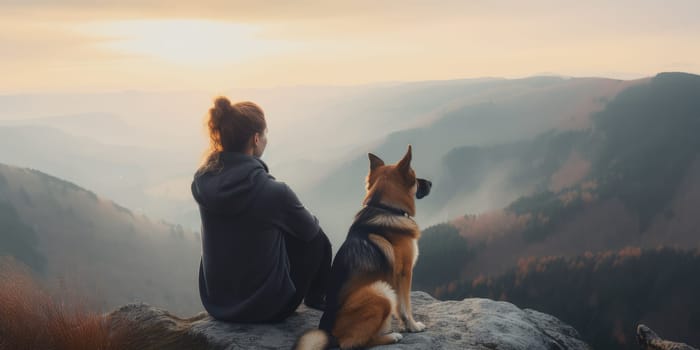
310 268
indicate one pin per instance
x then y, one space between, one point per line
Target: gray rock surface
467 324
649 340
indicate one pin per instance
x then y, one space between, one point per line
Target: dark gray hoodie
244 271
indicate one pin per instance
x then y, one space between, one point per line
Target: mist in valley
141 149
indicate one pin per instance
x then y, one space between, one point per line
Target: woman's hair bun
222 106
222 103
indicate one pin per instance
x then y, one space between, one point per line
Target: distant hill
629 182
476 115
106 127
75 239
140 178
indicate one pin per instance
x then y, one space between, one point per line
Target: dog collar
395 211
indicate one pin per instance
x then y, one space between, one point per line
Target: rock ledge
467 324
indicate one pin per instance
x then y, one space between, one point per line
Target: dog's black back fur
357 254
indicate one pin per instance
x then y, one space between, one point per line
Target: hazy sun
191 42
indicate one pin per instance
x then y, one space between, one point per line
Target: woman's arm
297 220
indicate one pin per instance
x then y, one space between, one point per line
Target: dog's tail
316 339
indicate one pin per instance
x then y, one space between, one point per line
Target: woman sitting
262 251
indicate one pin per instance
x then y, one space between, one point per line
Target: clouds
336 42
234 10
639 11
35 41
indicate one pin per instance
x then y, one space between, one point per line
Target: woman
262 251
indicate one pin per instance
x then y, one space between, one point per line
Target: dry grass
30 318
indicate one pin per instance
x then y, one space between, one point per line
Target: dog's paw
416 327
396 337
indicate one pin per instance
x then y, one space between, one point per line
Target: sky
215 45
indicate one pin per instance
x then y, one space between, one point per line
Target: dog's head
396 184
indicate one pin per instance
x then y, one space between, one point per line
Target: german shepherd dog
371 273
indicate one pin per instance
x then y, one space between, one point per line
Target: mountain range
617 198
85 245
573 196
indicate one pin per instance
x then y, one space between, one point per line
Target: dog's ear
374 161
405 164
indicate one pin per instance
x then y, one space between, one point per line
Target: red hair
230 127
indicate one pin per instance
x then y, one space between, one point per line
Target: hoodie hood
233 187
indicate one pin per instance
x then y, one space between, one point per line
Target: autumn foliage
31 318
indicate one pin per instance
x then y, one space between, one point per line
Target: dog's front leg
404 296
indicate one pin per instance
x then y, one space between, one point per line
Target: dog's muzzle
423 188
